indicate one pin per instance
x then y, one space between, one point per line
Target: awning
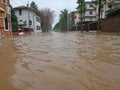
2 10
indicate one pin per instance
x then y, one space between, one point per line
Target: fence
111 24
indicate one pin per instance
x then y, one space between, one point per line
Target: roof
24 7
21 7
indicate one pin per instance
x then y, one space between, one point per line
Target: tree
63 20
14 21
57 27
46 16
100 4
34 6
81 10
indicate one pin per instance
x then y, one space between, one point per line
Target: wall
4 31
111 24
37 23
24 17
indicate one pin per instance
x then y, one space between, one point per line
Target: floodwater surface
60 61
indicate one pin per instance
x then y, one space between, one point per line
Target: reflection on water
68 61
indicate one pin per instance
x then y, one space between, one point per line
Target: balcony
113 1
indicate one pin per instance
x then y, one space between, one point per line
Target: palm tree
81 10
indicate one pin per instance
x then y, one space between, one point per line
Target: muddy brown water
60 61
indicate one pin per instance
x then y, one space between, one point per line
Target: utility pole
28 16
68 22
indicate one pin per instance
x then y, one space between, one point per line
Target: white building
111 4
28 18
90 14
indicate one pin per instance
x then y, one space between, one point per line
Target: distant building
88 17
5 18
28 18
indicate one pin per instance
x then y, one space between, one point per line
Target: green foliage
33 5
14 20
81 10
81 6
63 19
100 4
57 27
62 24
96 2
113 12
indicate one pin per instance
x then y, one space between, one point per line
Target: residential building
89 16
111 4
28 18
5 18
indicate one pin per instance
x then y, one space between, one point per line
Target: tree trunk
81 25
99 21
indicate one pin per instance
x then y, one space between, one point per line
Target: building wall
3 15
37 24
111 4
25 17
111 24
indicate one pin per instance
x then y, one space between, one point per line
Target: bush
113 12
14 21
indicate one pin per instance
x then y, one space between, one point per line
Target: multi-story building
28 18
5 18
89 16
110 4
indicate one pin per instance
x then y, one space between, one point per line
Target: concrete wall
111 24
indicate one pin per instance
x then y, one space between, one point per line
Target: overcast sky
55 5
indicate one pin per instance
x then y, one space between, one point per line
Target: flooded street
60 61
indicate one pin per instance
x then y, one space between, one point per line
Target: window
38 27
20 12
91 12
91 5
37 19
110 6
4 1
6 23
